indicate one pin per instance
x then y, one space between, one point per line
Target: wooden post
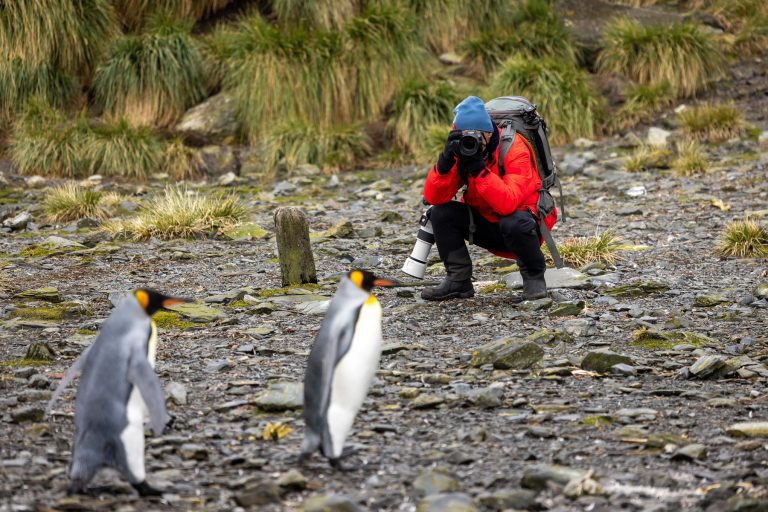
297 265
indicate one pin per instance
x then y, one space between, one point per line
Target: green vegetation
121 150
690 159
151 78
181 161
433 142
72 202
598 421
743 239
22 362
713 123
315 77
578 251
171 321
272 292
655 340
641 102
133 12
179 213
645 157
321 14
297 142
563 93
418 105
492 288
57 311
685 55
747 20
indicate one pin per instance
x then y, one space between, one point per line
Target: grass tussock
712 123
133 13
315 76
685 55
645 158
21 82
564 94
182 162
433 142
299 143
690 159
64 34
179 213
153 77
416 106
121 150
45 142
579 251
538 32
743 239
641 103
72 202
322 14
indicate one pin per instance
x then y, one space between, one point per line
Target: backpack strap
547 235
507 138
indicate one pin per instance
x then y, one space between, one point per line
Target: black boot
534 285
449 290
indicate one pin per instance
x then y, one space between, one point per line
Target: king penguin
118 386
341 365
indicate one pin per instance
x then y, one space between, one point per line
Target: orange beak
174 300
383 282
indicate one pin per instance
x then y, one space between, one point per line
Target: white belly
133 435
353 375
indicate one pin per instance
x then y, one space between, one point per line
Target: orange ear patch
357 277
142 297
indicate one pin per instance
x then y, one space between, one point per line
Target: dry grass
645 158
151 78
743 239
133 13
323 14
685 55
712 123
564 94
298 143
579 251
690 159
182 162
121 150
641 103
180 213
73 202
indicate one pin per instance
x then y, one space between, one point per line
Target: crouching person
496 211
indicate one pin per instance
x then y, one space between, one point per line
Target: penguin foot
144 489
338 466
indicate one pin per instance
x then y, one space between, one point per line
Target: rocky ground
621 392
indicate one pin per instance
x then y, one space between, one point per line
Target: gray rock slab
555 277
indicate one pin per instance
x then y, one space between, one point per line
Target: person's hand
470 165
448 156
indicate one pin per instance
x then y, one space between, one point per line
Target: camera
470 143
416 264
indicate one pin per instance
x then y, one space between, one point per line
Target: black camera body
470 143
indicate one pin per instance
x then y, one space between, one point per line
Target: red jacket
494 196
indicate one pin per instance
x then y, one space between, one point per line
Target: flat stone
636 414
508 353
570 308
537 477
555 277
229 296
761 291
176 392
57 242
315 307
601 361
292 480
486 398
708 301
282 396
193 451
331 503
18 222
258 493
199 313
30 413
536 305
247 231
427 401
48 294
636 289
748 429
624 370
580 326
691 452
509 499
709 366
434 481
657 136
447 502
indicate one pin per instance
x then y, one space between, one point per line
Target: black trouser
518 233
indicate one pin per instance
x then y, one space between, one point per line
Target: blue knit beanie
471 115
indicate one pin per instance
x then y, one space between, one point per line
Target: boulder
214 120
220 160
508 353
601 361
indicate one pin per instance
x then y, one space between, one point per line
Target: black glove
448 156
470 165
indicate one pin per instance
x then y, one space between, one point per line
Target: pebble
331 503
447 502
434 481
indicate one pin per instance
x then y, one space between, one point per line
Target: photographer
496 212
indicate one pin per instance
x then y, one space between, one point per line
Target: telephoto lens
416 264
469 144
